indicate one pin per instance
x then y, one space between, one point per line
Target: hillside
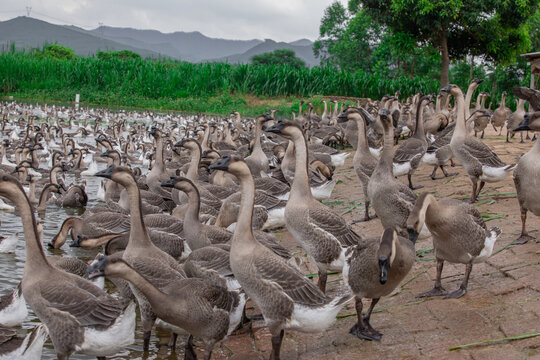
305 52
28 33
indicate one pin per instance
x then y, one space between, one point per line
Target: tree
279 57
121 55
494 29
58 52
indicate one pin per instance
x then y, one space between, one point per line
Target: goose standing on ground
203 310
364 162
154 264
460 235
287 299
526 176
322 233
374 269
78 315
480 162
391 199
408 155
500 115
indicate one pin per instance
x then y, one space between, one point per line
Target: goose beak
169 183
96 268
342 118
76 242
268 117
181 142
107 173
384 266
221 164
524 125
275 128
478 81
446 88
413 234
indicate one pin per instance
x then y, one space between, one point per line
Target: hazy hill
305 52
28 33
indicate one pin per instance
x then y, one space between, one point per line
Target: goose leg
507 131
482 183
463 287
434 173
521 141
276 345
528 137
189 350
437 289
409 176
172 341
366 214
482 136
146 340
524 237
367 316
446 174
323 276
361 330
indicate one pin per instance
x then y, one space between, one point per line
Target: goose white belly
487 250
31 347
276 218
339 159
113 339
323 191
375 152
235 316
15 313
315 319
494 174
337 264
4 206
430 158
399 169
8 244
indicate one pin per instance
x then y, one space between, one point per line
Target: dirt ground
503 296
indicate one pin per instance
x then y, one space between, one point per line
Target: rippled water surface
12 265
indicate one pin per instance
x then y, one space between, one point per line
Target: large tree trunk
445 58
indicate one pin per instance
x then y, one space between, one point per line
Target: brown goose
287 299
408 155
460 235
78 315
257 160
322 233
373 270
480 162
526 176
364 162
151 262
205 311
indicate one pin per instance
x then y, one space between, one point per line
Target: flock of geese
188 202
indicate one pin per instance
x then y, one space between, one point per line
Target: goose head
417 216
119 174
452 89
286 129
180 183
107 265
386 253
231 163
531 121
349 114
10 187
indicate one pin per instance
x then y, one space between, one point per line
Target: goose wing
482 153
409 149
6 334
299 288
114 222
217 235
334 224
84 301
159 273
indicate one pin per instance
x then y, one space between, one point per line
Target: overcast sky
281 20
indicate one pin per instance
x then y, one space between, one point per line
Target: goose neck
385 161
138 235
300 188
243 232
193 170
461 128
362 145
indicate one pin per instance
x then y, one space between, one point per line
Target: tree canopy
277 57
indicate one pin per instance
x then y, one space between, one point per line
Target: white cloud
281 20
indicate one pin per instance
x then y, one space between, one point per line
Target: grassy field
174 85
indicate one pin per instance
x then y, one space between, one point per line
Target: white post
77 101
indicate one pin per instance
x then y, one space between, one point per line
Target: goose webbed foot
416 187
370 328
436 291
172 341
457 293
364 333
523 239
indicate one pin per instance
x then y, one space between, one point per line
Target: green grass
175 85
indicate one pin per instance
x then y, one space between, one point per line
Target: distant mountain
28 32
305 52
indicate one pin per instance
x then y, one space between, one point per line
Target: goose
391 199
409 154
322 233
287 299
141 254
526 175
374 269
500 115
364 162
79 316
439 152
460 235
28 348
205 311
480 162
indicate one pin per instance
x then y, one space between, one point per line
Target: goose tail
33 343
510 167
